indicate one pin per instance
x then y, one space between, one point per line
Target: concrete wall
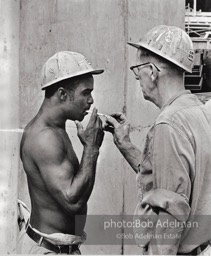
99 29
9 113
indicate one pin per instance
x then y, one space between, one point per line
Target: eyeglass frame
143 64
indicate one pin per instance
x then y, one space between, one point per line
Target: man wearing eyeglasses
173 171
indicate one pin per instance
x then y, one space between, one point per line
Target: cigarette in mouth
99 114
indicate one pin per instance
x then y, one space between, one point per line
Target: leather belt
197 250
194 252
41 241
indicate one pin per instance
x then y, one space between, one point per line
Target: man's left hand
119 126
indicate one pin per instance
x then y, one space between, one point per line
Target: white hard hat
171 43
64 65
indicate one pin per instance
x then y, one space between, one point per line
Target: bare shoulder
49 144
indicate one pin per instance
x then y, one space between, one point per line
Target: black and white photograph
105 127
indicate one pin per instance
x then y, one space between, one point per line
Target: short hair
69 84
146 53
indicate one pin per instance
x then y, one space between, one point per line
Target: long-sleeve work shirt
174 179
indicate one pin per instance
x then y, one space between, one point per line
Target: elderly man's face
82 99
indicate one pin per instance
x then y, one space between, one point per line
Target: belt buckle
70 249
40 241
59 249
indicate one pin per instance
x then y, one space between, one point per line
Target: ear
62 93
154 73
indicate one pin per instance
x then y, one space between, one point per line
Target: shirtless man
59 185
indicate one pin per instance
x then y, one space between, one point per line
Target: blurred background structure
198 26
32 31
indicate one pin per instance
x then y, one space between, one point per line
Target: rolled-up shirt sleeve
164 184
173 203
173 160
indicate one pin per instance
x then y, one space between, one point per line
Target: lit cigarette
99 114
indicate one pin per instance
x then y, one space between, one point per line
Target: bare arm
120 131
71 188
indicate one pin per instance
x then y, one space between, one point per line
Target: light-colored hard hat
64 65
171 43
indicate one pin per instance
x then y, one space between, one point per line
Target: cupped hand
93 135
119 126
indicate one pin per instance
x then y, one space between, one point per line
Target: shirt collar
172 99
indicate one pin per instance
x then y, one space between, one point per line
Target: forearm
131 153
83 182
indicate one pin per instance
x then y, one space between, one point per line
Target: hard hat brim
140 44
136 45
92 72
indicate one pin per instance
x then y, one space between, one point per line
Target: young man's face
80 100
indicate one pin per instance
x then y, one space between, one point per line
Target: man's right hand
93 135
119 126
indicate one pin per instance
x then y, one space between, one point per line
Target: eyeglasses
136 68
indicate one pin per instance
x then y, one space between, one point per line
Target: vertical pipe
194 7
9 120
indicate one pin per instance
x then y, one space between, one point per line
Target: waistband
60 238
42 241
53 242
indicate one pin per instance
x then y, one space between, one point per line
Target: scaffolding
198 26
